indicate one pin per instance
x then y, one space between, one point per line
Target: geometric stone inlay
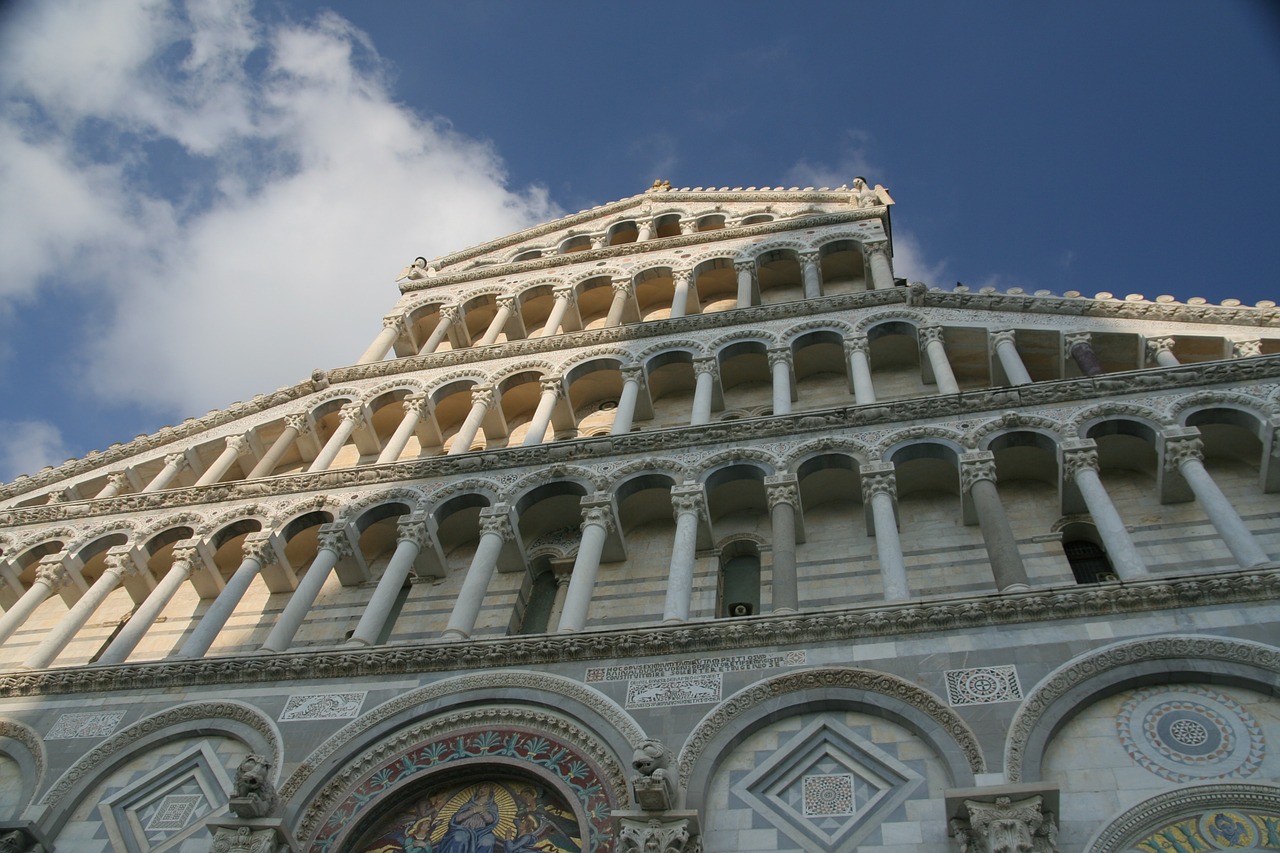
162 808
983 685
92 724
828 794
323 706
827 788
686 690
1188 733
174 811
694 666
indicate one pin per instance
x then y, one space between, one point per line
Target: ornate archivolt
1203 817
1079 422
33 763
1085 679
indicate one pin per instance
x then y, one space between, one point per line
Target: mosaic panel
696 666
828 794
1190 733
1242 831
174 812
98 724
687 690
983 685
322 706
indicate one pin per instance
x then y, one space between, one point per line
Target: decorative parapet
910 618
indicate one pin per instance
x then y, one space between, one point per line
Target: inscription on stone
98 724
680 690
696 666
322 706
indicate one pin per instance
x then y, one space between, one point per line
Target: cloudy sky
202 201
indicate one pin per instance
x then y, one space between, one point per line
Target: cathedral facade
678 524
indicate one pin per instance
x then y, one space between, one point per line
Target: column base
1016 587
453 634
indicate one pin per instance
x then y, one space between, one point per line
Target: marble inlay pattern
1190 733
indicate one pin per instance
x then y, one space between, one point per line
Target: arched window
542 597
739 580
1088 559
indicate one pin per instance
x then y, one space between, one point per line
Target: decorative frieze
89 724
694 666
680 690
322 706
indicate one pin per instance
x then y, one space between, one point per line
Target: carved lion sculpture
254 795
654 787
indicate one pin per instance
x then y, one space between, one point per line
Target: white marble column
703 392
880 490
780 371
1080 463
482 398
333 545
115 485
173 463
644 230
392 328
681 279
295 425
978 479
622 293
506 304
184 563
1185 454
597 523
564 298
350 417
688 226
624 415
746 271
412 535
448 316
1079 347
688 503
551 391
50 577
1160 350
881 267
118 562
562 576
1010 360
257 552
856 349
783 495
931 340
415 409
495 530
236 446
811 273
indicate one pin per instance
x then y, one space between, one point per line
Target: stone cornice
932 408
906 619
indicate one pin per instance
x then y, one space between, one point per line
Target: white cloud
301 188
910 261
852 161
28 446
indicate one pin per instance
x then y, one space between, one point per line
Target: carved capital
744 266
878 248
632 372
688 226
976 466
688 499
507 302
1182 449
679 277
185 556
779 355
394 321
783 489
807 259
119 480
353 412
1155 346
599 515
176 461
333 537
483 395
1071 340
1083 457
299 422
1005 826
622 287
1004 336
878 480
705 364
566 293
857 344
238 443
257 547
120 563
657 836
551 384
497 521
597 240
52 573
930 334
416 404
415 529
449 314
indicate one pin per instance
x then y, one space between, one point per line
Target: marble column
856 349
1080 348
688 503
705 373
350 417
746 271
564 298
688 226
551 391
50 577
257 552
780 371
1185 454
448 316
881 267
482 398
1160 350
495 530
562 576
624 415
811 273
412 535
184 563
931 338
295 425
644 230
597 523
680 296
880 490
117 564
392 328
415 409
1010 360
783 495
623 290
173 463
333 545
1080 463
116 483
978 480
236 446
506 304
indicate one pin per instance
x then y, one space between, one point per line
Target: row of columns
394 326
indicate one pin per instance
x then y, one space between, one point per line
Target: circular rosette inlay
1187 733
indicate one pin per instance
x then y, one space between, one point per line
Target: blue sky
204 201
